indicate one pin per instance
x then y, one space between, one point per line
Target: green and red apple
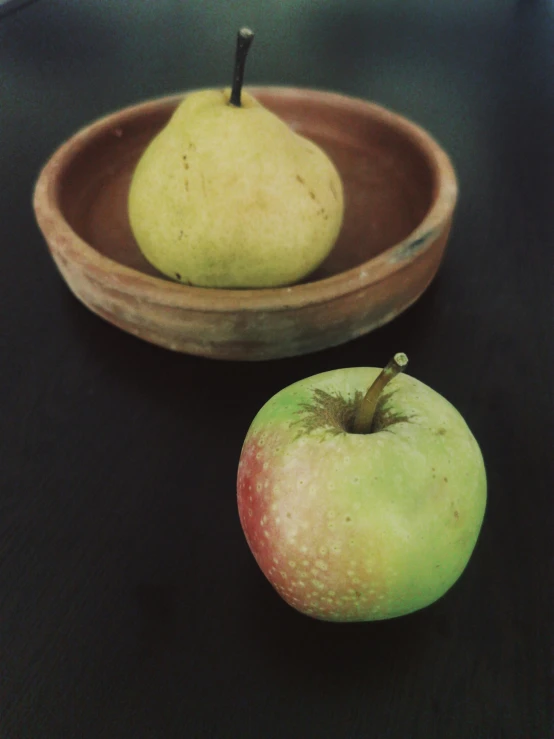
360 504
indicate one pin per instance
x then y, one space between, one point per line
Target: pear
227 195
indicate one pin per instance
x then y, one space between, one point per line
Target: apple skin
360 527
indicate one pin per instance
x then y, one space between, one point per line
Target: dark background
130 605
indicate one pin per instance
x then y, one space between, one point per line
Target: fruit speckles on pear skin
254 209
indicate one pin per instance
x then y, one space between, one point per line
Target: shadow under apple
300 648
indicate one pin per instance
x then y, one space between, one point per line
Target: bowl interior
388 179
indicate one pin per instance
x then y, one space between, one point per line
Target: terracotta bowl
400 193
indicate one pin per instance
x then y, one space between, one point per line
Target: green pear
227 195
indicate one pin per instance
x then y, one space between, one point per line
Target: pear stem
366 410
244 41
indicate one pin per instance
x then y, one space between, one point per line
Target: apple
361 493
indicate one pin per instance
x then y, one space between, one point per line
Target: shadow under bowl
400 193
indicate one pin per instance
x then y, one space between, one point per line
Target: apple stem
366 410
244 41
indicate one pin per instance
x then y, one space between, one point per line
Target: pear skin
231 197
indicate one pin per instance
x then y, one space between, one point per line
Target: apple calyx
363 418
244 40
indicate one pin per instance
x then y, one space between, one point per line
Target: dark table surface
130 605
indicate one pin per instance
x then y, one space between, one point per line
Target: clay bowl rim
55 228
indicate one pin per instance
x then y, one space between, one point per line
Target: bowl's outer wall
254 335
